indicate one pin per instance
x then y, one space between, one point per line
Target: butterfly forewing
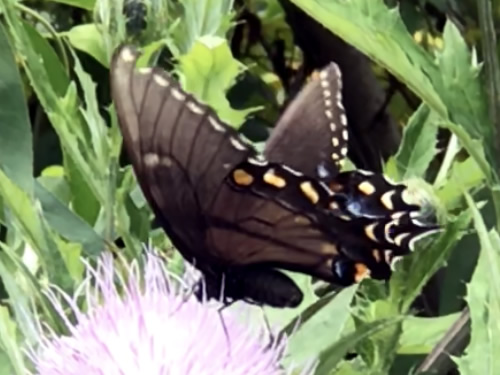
179 174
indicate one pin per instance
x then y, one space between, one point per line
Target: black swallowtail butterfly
237 216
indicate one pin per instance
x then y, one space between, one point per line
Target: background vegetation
422 107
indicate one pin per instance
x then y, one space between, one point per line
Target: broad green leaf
474 147
31 223
378 32
24 287
72 255
83 201
460 86
420 335
16 155
9 343
379 349
88 38
62 112
418 146
208 71
56 73
56 185
84 4
464 175
354 367
483 298
67 224
309 339
413 271
202 18
5 366
17 282
333 356
79 165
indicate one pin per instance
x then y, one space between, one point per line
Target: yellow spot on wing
399 239
386 199
362 272
309 192
242 177
366 188
370 232
272 179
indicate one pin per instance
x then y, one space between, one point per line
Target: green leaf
413 271
8 340
56 73
379 349
24 288
88 38
418 146
420 335
460 85
483 298
202 18
84 4
209 69
464 175
379 32
67 224
354 367
332 357
19 299
474 147
16 155
5 366
62 112
309 339
32 225
83 201
56 185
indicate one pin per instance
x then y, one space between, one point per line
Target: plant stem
451 150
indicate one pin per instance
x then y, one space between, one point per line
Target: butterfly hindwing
311 137
312 131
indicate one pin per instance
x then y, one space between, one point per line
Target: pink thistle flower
151 325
